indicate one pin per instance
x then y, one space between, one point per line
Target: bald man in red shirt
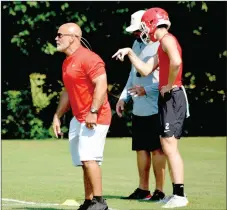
85 82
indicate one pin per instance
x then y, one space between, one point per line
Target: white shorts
86 144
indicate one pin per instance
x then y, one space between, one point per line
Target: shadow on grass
148 201
123 198
113 197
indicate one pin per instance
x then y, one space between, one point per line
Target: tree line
31 67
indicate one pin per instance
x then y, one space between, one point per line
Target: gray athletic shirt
143 105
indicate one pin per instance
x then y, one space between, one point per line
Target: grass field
41 172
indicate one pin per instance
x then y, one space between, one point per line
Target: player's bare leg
93 173
87 186
159 164
169 146
144 164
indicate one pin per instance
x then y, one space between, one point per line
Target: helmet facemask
144 36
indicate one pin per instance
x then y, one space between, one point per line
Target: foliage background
31 68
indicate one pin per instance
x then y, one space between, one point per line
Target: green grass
41 171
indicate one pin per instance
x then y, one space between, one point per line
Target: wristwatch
94 111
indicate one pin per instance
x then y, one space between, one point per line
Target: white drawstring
187 104
82 38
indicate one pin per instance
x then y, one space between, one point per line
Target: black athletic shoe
85 205
95 205
139 194
157 195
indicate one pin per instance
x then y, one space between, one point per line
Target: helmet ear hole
151 22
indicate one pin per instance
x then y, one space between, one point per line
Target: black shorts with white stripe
172 110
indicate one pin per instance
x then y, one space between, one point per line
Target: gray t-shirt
143 105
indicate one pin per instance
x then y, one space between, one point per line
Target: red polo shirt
164 65
78 71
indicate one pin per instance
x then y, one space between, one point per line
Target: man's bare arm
63 105
100 83
170 47
142 67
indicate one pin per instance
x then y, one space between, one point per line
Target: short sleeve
94 66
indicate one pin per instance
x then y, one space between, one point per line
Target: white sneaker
166 199
176 201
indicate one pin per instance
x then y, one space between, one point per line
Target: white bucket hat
135 21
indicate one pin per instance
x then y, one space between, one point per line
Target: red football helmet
150 20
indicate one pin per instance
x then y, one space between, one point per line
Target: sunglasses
60 35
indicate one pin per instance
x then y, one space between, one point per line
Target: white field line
19 202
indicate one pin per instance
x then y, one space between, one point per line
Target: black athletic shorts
172 110
145 132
